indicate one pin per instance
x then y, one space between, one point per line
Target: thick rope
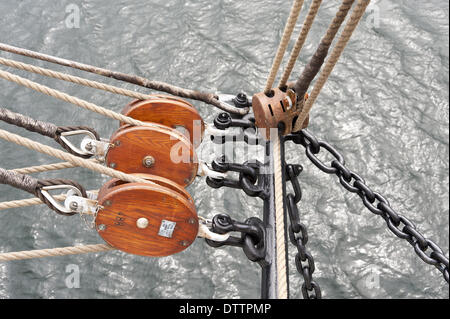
332 60
309 20
208 98
290 24
70 99
64 251
45 128
81 103
70 158
75 79
45 167
282 289
19 181
27 202
28 123
317 60
33 201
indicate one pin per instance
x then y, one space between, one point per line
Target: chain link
399 225
298 236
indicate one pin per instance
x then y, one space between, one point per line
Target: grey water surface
386 107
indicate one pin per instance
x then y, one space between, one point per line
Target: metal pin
73 206
148 161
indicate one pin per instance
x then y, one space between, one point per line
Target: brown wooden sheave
172 112
153 150
169 222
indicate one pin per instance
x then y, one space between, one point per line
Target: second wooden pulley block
156 219
153 150
278 108
169 111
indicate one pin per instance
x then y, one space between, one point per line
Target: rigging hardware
169 216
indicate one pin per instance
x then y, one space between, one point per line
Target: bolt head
102 227
89 146
148 161
113 165
73 205
142 223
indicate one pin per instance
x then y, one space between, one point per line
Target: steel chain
298 235
398 224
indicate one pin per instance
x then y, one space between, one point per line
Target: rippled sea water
386 107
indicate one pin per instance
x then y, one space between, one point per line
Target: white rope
332 60
64 251
289 28
74 79
74 100
45 167
279 222
34 201
10 137
309 20
27 202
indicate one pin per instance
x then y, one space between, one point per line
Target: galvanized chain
298 235
398 224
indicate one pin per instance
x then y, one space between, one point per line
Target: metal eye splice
280 109
83 150
63 208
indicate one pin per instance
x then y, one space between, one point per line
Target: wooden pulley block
167 183
153 150
279 108
146 219
169 111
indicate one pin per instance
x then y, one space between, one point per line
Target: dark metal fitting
241 100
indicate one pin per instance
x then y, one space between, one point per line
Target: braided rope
82 103
28 123
309 20
64 251
45 168
208 98
282 290
74 79
70 158
33 201
290 24
315 63
27 202
332 60
70 99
